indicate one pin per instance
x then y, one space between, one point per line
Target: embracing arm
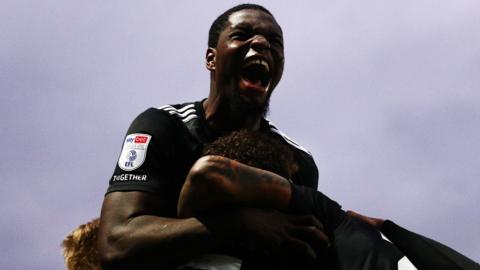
134 235
217 181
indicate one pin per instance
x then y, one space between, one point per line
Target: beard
243 108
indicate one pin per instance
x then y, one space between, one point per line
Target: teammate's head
255 149
80 247
245 58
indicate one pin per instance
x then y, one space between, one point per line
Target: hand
375 222
272 232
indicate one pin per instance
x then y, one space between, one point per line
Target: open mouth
256 74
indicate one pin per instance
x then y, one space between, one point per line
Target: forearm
134 235
216 181
150 241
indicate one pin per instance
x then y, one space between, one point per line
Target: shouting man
139 225
257 213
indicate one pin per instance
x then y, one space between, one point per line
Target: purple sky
385 95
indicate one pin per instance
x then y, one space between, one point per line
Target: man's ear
210 58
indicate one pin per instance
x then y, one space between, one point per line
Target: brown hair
80 247
255 149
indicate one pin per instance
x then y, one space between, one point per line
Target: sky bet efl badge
134 151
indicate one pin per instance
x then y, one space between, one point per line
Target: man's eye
239 36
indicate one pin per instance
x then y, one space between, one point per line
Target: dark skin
134 232
250 34
246 186
237 184
268 190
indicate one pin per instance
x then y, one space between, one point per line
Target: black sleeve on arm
426 253
306 200
356 244
143 163
307 175
309 201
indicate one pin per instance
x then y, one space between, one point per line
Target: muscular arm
133 235
218 181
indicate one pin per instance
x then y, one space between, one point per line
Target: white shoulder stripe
165 108
286 138
186 113
171 108
190 117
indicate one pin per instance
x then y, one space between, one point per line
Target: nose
260 43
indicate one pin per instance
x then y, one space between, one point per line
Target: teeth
259 62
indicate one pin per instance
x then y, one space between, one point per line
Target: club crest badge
134 151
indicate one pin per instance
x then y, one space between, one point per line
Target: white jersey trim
404 263
185 113
274 129
214 261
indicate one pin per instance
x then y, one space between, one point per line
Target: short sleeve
307 174
144 161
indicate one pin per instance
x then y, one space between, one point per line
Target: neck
222 120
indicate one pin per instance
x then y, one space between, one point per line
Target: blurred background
385 94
